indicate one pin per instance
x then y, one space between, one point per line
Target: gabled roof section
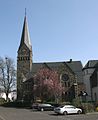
75 66
90 64
25 38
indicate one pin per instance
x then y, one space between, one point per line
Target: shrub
2 101
17 104
65 103
96 109
86 107
77 102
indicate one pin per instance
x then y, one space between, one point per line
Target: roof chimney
70 60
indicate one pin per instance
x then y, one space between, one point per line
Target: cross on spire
25 12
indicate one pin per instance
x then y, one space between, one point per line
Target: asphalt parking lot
29 114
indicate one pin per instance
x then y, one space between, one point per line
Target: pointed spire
25 39
25 11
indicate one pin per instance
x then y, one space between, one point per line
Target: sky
60 30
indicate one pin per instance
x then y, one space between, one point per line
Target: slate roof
90 64
75 66
25 39
96 67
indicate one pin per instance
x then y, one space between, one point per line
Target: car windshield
48 105
69 107
61 106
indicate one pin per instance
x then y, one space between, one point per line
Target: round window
65 77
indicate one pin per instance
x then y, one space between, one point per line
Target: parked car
67 109
42 107
34 106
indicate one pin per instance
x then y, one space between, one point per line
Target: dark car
43 107
35 106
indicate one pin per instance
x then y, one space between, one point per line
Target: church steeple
24 58
25 38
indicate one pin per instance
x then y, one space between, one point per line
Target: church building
70 72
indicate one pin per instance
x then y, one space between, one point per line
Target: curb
92 113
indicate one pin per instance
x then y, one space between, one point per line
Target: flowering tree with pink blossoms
47 84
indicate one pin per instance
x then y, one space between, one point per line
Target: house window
66 93
65 84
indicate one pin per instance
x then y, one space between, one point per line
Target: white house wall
11 96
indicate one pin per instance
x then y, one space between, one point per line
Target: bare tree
7 75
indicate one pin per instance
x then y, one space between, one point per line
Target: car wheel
42 109
65 113
79 112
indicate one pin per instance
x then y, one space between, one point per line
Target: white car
67 109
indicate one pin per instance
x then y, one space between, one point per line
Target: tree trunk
7 99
